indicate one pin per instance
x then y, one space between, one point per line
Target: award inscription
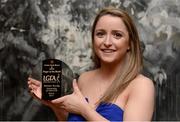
51 79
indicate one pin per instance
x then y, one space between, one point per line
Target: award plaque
56 79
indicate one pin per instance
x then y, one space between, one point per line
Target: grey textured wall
32 30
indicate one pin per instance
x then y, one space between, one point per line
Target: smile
108 50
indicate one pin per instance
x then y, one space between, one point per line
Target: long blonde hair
133 67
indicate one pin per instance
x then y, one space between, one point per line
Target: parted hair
133 63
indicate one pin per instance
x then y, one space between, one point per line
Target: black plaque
56 77
51 79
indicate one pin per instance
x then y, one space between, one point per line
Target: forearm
91 115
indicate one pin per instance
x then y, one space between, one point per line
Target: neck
109 71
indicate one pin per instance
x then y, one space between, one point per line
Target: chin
108 61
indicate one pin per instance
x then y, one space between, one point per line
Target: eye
100 34
117 35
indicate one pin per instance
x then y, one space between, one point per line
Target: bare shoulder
143 86
141 99
85 77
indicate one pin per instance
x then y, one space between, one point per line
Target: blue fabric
110 111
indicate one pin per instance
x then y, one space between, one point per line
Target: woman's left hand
73 103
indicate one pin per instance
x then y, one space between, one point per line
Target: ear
128 49
129 46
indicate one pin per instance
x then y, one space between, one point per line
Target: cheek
96 46
96 43
124 43
122 46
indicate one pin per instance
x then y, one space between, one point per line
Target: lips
108 50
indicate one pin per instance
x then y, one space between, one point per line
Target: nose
108 41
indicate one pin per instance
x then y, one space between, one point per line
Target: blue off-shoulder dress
110 111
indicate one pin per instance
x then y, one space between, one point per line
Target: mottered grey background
32 30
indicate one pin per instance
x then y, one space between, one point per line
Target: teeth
108 51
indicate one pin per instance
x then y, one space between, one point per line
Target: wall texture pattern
32 30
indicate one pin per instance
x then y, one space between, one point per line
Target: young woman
115 90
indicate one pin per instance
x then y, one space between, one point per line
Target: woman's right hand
35 90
